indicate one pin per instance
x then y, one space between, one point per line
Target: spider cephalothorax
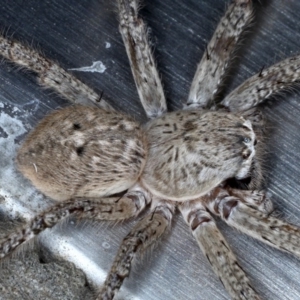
191 152
188 160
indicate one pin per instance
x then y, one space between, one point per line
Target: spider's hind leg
212 69
50 74
147 231
147 80
111 208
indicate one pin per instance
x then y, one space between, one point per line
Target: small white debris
105 245
97 66
107 45
35 167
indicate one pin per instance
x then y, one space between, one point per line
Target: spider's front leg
266 83
147 231
217 251
212 242
253 198
147 80
268 229
212 68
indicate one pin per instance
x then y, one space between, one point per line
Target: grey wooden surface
77 33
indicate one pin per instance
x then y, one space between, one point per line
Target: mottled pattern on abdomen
83 152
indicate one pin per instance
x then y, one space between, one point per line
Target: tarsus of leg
212 68
268 229
217 251
147 231
147 79
266 83
113 208
50 74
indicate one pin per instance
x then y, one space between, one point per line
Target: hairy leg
217 251
212 68
264 84
253 198
114 208
268 229
147 80
145 232
50 74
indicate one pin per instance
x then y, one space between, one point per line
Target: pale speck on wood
97 66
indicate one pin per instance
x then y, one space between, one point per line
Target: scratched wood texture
76 33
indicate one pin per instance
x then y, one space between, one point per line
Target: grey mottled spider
190 159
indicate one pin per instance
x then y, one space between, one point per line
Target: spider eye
255 142
246 140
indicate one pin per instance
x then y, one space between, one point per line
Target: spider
195 213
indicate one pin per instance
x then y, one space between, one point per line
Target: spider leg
147 80
217 251
268 229
114 208
212 68
264 84
253 198
147 231
50 75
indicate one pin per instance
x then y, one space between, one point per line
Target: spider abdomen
81 151
191 152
